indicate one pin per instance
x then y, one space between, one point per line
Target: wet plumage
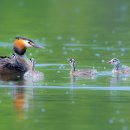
118 68
18 63
81 73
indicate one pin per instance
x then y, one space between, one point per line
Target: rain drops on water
58 71
111 121
102 61
30 54
123 49
122 120
65 52
72 39
94 41
119 42
113 54
43 110
59 37
97 55
61 66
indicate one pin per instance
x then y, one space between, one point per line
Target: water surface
92 32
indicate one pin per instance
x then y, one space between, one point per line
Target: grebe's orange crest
19 43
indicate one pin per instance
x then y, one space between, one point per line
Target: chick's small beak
36 46
109 62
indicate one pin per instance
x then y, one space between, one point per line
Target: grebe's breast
123 70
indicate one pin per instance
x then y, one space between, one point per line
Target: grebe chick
32 74
118 68
81 73
18 63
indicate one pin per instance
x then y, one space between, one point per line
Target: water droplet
43 38
113 54
117 112
94 41
119 42
123 49
43 110
61 67
72 39
102 60
122 54
50 51
124 8
97 54
59 37
111 121
58 71
122 120
125 128
73 102
67 92
65 53
113 31
30 54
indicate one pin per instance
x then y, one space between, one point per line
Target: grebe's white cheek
27 44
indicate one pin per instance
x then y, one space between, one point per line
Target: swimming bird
18 63
88 73
33 75
118 68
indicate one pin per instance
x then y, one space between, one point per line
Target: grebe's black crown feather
20 37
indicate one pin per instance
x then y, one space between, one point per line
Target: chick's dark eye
29 42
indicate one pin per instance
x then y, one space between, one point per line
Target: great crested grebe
81 73
118 68
18 63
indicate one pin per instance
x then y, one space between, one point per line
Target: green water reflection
92 32
40 109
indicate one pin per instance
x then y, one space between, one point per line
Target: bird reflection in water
22 98
117 78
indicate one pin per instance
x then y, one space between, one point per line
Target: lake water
92 32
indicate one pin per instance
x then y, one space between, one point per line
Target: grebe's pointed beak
36 46
109 62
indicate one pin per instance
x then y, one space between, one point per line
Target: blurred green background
92 32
